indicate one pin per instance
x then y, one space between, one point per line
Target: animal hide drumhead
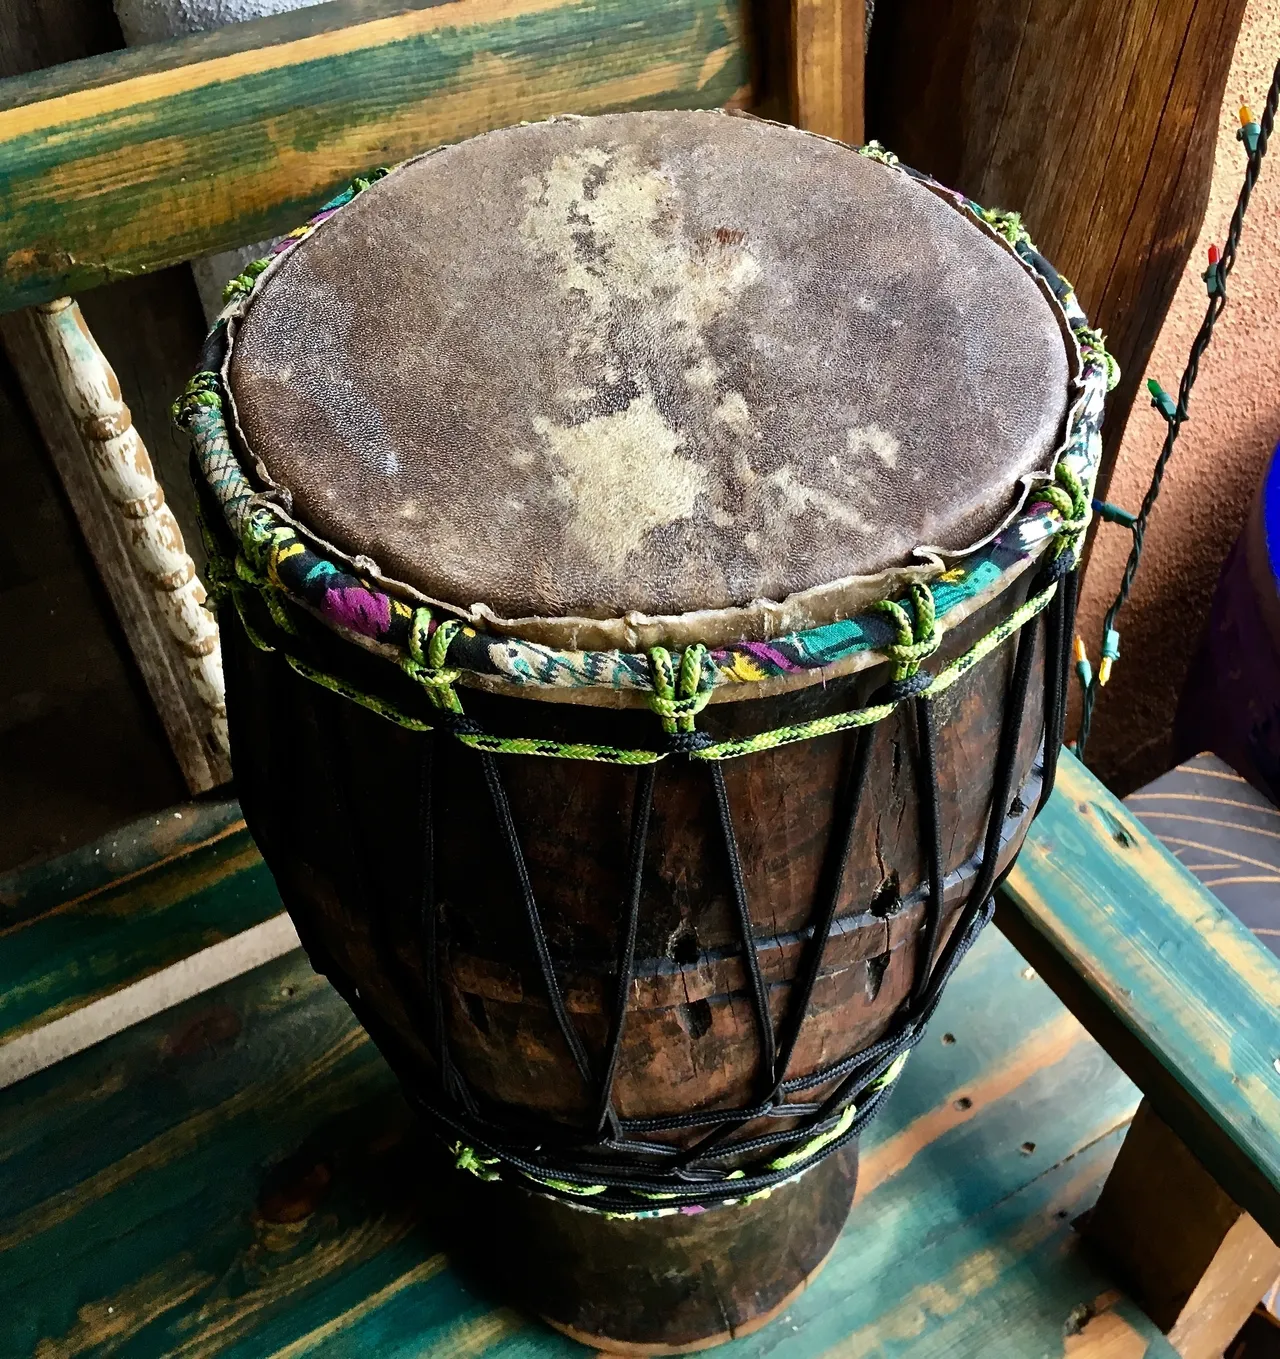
654 362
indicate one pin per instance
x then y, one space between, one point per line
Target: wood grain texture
1095 120
1225 832
177 704
154 543
108 935
828 42
1188 1253
1173 986
115 858
239 1177
231 137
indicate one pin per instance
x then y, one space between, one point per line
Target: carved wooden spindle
124 469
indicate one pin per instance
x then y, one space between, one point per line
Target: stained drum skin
648 362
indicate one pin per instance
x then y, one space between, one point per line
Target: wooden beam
1096 121
1177 990
1194 1260
828 40
131 161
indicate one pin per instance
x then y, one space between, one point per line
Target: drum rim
592 660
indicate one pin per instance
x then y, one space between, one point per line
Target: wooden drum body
646 927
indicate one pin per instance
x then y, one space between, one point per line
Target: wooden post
1096 121
828 42
1194 1260
88 387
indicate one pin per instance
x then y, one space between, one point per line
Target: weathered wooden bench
237 1174
201 1154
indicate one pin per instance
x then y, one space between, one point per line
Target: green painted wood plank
1177 990
171 893
239 1177
129 162
135 848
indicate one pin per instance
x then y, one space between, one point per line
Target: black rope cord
616 1164
1176 415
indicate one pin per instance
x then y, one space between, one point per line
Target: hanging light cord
1255 137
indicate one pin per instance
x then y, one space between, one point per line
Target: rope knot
917 631
243 284
680 695
203 392
467 1158
1066 494
1093 347
428 654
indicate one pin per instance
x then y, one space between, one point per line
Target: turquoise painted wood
239 1177
135 848
133 161
73 930
1180 993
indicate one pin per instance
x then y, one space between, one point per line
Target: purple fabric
367 612
1231 701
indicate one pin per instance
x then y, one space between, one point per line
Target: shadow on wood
1095 120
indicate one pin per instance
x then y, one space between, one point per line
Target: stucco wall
1220 455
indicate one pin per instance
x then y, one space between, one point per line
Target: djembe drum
651 541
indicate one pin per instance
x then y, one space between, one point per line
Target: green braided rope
243 283
333 683
988 643
428 654
467 1158
801 731
1009 225
864 717
678 698
917 637
527 745
1067 496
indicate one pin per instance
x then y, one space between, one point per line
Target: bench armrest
224 138
1176 989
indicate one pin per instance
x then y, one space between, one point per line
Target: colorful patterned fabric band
278 559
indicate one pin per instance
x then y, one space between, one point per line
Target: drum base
667 1285
611 1345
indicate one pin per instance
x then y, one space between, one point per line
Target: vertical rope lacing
856 1086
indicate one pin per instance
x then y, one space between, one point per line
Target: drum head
654 362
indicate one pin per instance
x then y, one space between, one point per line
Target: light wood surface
1192 1257
828 41
153 542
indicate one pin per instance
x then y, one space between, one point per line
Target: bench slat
1176 989
240 1177
96 920
133 161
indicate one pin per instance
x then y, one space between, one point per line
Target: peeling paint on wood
1175 987
222 139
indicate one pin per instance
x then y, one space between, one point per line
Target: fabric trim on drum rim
281 562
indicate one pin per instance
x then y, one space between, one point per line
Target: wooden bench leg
1191 1257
